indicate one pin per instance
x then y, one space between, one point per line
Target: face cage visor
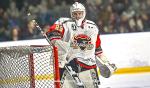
77 7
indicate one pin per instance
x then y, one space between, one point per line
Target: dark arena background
124 27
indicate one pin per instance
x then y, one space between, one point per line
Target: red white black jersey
84 40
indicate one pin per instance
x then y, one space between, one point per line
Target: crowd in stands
111 16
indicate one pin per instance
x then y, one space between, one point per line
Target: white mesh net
26 67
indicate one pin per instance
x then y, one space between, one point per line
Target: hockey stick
75 77
42 32
56 65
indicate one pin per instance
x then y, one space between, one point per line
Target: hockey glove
106 68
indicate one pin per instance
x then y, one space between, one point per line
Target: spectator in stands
124 24
30 32
114 16
3 36
146 21
15 34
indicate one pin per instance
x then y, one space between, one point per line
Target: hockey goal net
29 67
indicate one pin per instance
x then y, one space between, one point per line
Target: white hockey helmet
78 7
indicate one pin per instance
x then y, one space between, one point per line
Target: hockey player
79 49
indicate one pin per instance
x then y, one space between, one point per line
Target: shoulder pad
90 22
63 20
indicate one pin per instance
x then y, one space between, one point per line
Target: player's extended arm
106 68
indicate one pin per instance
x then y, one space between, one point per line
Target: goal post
29 67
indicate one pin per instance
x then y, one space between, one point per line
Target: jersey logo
82 41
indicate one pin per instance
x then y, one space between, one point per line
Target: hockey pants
75 76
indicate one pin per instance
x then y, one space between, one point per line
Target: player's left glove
106 68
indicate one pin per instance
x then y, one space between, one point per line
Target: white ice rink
129 50
139 80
